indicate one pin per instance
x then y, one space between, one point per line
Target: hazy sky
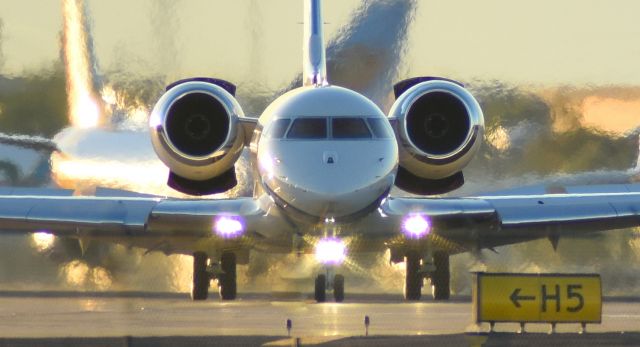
542 41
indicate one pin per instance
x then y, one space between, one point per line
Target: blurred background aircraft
78 78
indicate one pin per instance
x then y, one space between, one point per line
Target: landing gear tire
413 278
441 277
321 288
201 278
227 280
338 288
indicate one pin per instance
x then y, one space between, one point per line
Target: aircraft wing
458 224
498 219
176 225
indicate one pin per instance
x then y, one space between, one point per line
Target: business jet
324 160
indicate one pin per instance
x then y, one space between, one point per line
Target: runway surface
118 315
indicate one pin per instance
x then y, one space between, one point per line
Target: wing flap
514 212
435 207
450 217
170 225
64 215
196 217
578 210
494 220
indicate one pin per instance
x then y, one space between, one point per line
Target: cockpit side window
278 128
308 128
349 128
380 128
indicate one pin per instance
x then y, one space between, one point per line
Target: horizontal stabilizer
31 142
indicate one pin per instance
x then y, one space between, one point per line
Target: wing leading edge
495 220
469 223
138 221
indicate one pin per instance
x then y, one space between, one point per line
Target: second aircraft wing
494 220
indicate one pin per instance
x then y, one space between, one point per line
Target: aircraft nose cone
335 183
340 200
324 178
330 157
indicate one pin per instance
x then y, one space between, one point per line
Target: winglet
314 65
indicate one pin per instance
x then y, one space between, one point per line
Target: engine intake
197 124
195 131
439 125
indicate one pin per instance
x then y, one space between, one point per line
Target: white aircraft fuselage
326 152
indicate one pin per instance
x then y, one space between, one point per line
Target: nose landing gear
338 288
331 282
331 252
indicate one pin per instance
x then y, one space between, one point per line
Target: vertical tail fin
636 170
314 65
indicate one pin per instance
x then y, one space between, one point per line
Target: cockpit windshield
380 128
308 128
278 128
349 128
338 128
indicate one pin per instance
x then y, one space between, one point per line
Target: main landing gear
224 271
322 284
417 269
413 277
227 283
440 278
201 278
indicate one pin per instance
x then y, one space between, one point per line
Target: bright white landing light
228 227
43 241
416 226
331 251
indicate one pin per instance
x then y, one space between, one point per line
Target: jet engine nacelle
439 126
195 131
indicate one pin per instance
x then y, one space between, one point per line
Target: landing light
228 227
268 164
331 251
416 226
43 240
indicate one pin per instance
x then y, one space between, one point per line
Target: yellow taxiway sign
505 297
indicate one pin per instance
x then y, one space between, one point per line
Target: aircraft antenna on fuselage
314 65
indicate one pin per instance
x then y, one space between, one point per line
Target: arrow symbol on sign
516 297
